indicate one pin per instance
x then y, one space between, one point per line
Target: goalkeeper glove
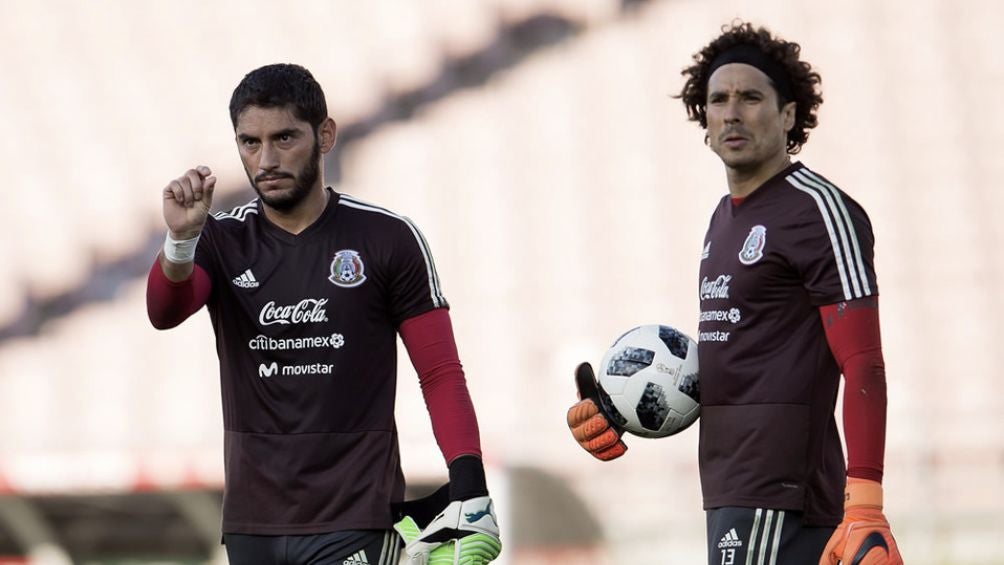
864 537
464 533
587 419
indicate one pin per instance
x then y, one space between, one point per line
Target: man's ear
788 114
327 134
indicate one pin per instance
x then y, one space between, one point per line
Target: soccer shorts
759 536
351 547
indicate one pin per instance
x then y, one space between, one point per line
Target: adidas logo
730 539
246 280
357 558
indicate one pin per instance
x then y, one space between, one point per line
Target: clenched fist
186 202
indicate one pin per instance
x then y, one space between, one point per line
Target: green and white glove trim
465 533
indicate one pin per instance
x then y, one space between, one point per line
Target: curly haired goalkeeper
793 255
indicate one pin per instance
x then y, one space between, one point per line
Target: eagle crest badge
347 269
752 250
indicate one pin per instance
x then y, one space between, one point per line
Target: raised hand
187 200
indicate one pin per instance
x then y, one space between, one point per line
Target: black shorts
352 547
758 536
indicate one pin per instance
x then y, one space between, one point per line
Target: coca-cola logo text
308 310
718 288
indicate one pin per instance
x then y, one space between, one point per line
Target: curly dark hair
804 81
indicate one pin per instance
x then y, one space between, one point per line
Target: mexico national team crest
752 250
347 269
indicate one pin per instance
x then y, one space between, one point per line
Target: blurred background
565 197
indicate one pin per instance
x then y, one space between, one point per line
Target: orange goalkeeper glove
589 423
864 537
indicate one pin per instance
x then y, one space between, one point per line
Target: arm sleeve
852 331
169 303
429 340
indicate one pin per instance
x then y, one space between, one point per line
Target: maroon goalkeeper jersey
768 436
306 330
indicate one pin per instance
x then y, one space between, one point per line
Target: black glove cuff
467 478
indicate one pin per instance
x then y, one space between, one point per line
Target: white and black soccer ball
649 382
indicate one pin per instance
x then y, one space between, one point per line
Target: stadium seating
565 198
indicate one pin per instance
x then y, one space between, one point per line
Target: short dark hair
281 85
804 81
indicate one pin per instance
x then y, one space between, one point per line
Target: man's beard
302 184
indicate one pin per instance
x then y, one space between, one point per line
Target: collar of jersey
765 188
318 226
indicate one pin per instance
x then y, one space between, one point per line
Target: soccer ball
649 382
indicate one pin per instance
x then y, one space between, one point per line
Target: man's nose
732 114
269 158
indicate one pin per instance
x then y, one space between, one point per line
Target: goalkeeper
307 290
789 258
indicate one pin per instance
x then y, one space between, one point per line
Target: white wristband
180 251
